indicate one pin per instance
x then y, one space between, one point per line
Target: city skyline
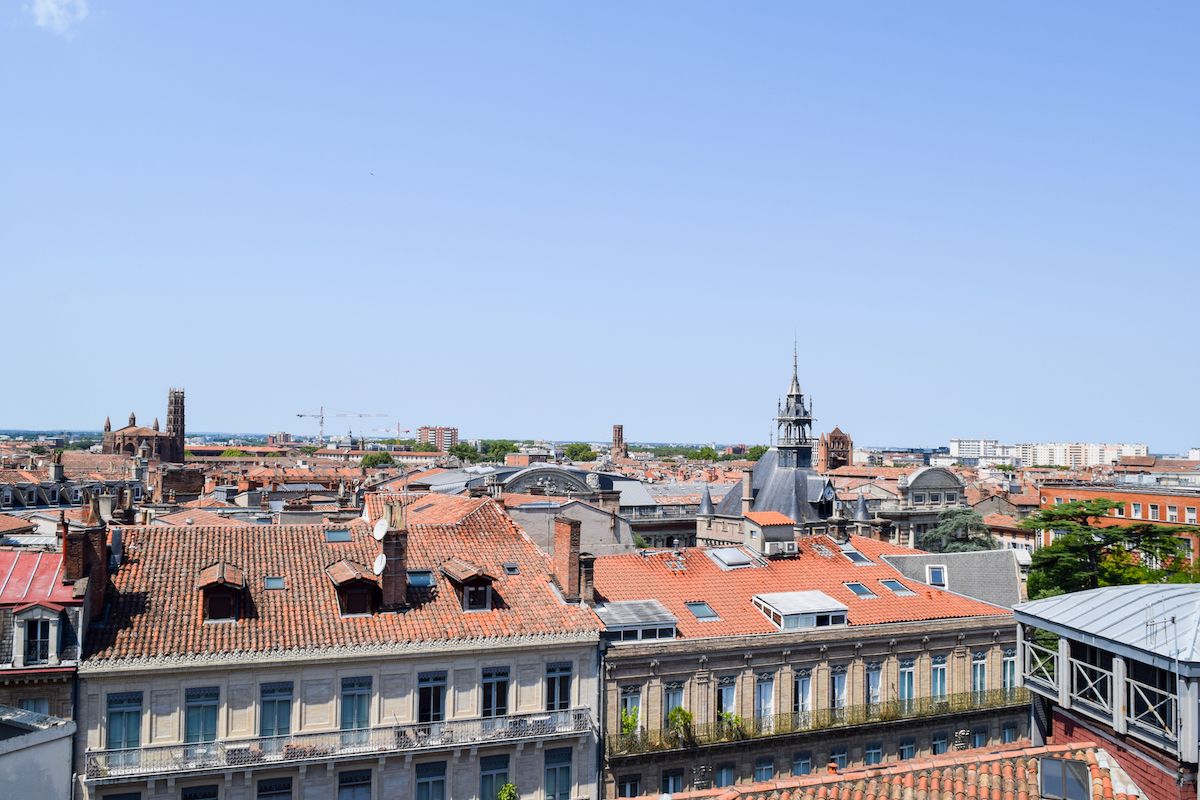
952 207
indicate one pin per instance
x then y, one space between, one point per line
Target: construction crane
333 412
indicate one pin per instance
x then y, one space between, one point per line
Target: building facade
724 668
441 437
426 656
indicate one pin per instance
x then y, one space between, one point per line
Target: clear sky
538 219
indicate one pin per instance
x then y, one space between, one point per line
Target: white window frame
929 568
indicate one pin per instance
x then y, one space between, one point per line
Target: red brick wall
566 556
1154 772
1118 495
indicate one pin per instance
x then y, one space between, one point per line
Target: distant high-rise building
279 437
619 448
441 437
1075 455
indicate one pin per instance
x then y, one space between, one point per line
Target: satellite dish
380 563
380 530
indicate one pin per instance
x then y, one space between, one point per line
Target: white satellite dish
380 530
380 563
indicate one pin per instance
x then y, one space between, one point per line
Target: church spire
794 389
107 425
794 422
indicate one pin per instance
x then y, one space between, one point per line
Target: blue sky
538 219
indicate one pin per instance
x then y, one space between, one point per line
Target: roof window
1063 779
730 557
861 591
420 578
795 610
856 557
511 569
337 536
274 582
702 611
935 575
896 587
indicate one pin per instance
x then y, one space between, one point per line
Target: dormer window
222 586
474 583
357 587
477 597
37 641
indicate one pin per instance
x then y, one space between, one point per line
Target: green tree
38 450
497 449
705 453
1087 555
233 452
959 530
756 452
508 792
580 452
378 459
309 449
465 452
424 447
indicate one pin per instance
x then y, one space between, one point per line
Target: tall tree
959 530
1087 555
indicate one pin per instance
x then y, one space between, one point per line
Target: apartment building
431 655
440 436
1163 505
1076 455
724 667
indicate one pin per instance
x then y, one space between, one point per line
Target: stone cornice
275 658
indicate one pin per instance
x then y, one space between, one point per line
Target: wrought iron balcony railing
138 762
732 729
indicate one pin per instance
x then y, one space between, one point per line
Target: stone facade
808 732
150 442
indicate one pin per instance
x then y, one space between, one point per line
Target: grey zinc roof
987 575
776 488
631 613
633 493
1161 621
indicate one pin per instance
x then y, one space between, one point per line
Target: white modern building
1076 455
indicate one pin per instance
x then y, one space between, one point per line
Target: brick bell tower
173 452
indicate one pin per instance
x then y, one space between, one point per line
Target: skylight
702 611
511 568
274 582
860 590
855 556
730 557
337 536
897 587
420 578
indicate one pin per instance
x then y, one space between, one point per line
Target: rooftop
31 577
155 613
1150 622
820 566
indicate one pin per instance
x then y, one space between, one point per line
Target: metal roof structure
807 602
634 613
1153 623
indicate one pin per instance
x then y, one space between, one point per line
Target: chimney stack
395 550
74 545
747 491
566 556
587 583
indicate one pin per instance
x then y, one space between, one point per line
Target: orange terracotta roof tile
1005 772
820 565
199 516
9 524
769 518
154 609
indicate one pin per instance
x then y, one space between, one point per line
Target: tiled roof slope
157 607
999 775
729 592
426 507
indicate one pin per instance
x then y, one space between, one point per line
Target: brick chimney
74 558
97 569
395 550
587 583
566 556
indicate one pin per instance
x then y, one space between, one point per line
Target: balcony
108 766
636 513
736 729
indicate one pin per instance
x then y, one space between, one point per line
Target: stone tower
794 422
174 450
619 450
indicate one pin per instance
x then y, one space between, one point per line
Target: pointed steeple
794 421
132 419
861 512
107 425
706 504
155 426
794 389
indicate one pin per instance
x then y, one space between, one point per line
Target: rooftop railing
140 762
733 729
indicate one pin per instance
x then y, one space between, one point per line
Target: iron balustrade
299 747
732 729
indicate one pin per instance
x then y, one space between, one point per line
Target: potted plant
679 726
508 792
